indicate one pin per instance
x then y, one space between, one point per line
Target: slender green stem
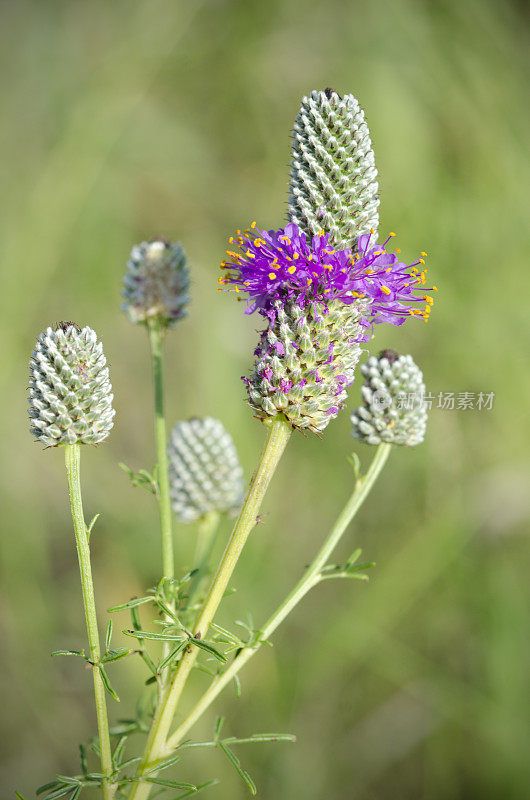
207 527
310 578
164 501
72 460
279 432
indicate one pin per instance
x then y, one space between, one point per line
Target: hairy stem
164 500
311 577
278 435
72 460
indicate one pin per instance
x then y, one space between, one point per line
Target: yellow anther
385 289
423 253
372 230
421 261
272 276
296 256
379 253
391 233
369 272
250 255
291 270
236 288
435 288
253 224
398 250
428 299
321 232
231 240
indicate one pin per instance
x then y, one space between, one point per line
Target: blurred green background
127 119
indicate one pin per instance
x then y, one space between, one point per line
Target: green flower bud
305 361
156 284
70 396
393 407
204 470
333 184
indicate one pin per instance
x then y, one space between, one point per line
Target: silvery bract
70 396
393 409
305 362
156 284
333 183
204 470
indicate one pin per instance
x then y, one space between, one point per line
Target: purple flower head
284 266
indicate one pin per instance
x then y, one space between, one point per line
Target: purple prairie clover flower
284 266
319 304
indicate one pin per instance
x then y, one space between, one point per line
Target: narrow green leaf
169 784
46 786
125 726
353 558
172 655
148 661
196 790
355 463
152 635
108 635
262 737
107 685
135 601
19 796
80 653
219 722
234 760
237 684
92 523
117 755
62 791
115 655
208 648
83 759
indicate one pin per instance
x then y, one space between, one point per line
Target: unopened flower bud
156 284
204 470
70 396
393 409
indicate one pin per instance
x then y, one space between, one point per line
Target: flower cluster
284 266
204 470
70 396
384 417
156 283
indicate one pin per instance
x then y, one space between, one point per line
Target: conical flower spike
204 470
156 284
70 396
393 409
305 361
333 184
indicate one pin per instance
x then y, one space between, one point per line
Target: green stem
164 500
311 577
72 460
207 527
279 432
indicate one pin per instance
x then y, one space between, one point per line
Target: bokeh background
125 120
